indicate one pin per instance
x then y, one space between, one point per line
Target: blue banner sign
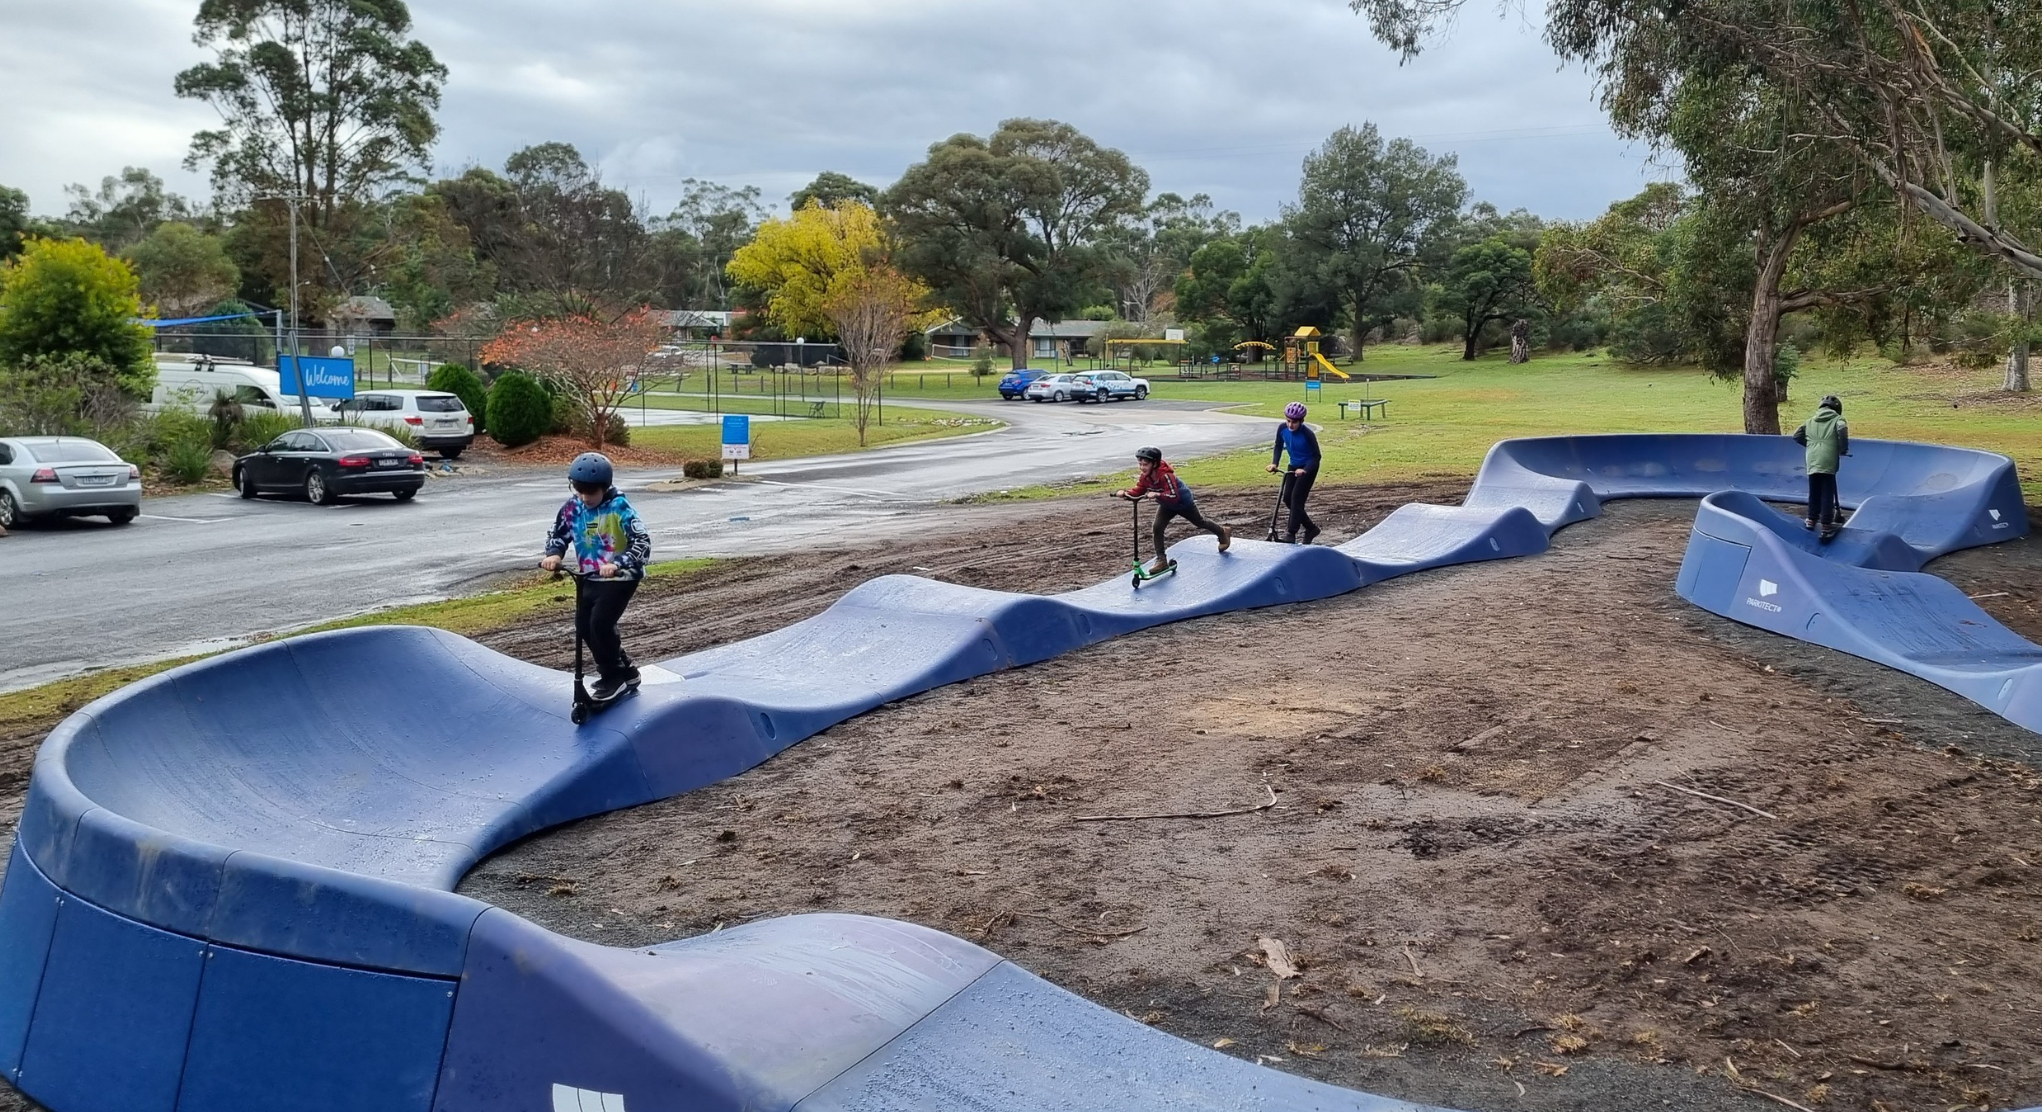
1311 386
737 436
324 377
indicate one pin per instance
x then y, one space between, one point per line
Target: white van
193 381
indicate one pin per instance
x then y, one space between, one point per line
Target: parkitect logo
1767 589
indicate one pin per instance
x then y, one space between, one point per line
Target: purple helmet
1295 411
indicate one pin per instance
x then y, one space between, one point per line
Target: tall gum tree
1365 213
1008 228
328 101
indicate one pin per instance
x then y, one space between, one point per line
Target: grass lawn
473 614
1443 426
811 436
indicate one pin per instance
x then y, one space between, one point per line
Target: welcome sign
323 377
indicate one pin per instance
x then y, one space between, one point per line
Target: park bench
815 409
1365 407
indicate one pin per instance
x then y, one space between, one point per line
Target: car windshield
71 451
438 403
357 440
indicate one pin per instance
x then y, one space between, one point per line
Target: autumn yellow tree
872 309
795 262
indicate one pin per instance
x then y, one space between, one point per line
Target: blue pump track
231 888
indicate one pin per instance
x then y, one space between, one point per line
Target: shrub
617 432
519 411
981 362
64 296
226 414
259 428
464 383
703 469
187 457
565 416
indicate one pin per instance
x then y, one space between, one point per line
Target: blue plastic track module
231 889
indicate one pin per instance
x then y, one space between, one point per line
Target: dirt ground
1479 857
1495 898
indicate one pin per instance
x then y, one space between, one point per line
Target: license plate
95 480
389 463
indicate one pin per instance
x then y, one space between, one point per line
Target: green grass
534 595
1442 426
812 437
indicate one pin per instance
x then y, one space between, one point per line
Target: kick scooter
586 705
1141 574
1282 496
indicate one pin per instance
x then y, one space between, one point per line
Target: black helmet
590 469
1830 401
1149 455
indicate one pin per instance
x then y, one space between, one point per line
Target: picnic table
1365 407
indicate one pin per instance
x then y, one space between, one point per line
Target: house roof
363 307
695 318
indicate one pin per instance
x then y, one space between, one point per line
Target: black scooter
586 705
1282 497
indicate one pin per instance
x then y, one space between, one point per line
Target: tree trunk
1520 341
1762 340
2017 359
1015 339
1469 333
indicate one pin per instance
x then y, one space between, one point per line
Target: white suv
435 420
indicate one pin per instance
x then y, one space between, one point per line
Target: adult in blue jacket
1294 437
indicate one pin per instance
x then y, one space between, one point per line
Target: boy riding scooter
611 547
1173 500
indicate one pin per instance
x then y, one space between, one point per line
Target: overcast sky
1212 96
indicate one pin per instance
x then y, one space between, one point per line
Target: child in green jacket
1828 440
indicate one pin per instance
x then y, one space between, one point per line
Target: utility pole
297 365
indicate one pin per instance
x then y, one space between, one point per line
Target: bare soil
1478 856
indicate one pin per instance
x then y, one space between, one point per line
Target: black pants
1822 505
1294 499
1167 512
601 603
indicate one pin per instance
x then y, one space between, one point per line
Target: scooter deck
1142 575
583 711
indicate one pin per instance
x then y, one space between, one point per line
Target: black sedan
323 464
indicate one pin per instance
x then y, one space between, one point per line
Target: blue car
1015 383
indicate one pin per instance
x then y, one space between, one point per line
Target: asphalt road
208 571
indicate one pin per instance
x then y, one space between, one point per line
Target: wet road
206 571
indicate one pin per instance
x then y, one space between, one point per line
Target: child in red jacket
1173 500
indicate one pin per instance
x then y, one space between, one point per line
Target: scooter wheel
580 715
1137 581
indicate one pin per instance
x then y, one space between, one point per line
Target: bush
981 362
915 348
187 458
65 296
617 432
261 427
458 380
226 414
703 469
566 417
519 410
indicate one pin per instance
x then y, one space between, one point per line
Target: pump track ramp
231 888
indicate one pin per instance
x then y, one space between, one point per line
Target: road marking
188 520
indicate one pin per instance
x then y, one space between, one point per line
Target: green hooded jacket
1827 439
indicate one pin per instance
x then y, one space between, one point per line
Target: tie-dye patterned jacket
609 534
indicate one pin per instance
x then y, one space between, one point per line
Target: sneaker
1226 537
631 677
1829 533
1159 565
603 690
1311 533
1808 523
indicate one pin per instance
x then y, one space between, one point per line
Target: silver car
65 476
1051 388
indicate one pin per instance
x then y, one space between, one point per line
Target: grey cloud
1209 96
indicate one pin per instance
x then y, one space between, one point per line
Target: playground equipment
231 884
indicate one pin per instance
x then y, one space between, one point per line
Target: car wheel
1141 393
316 490
122 517
244 482
1104 397
1057 397
405 495
10 511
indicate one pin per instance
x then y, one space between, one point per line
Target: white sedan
1051 388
